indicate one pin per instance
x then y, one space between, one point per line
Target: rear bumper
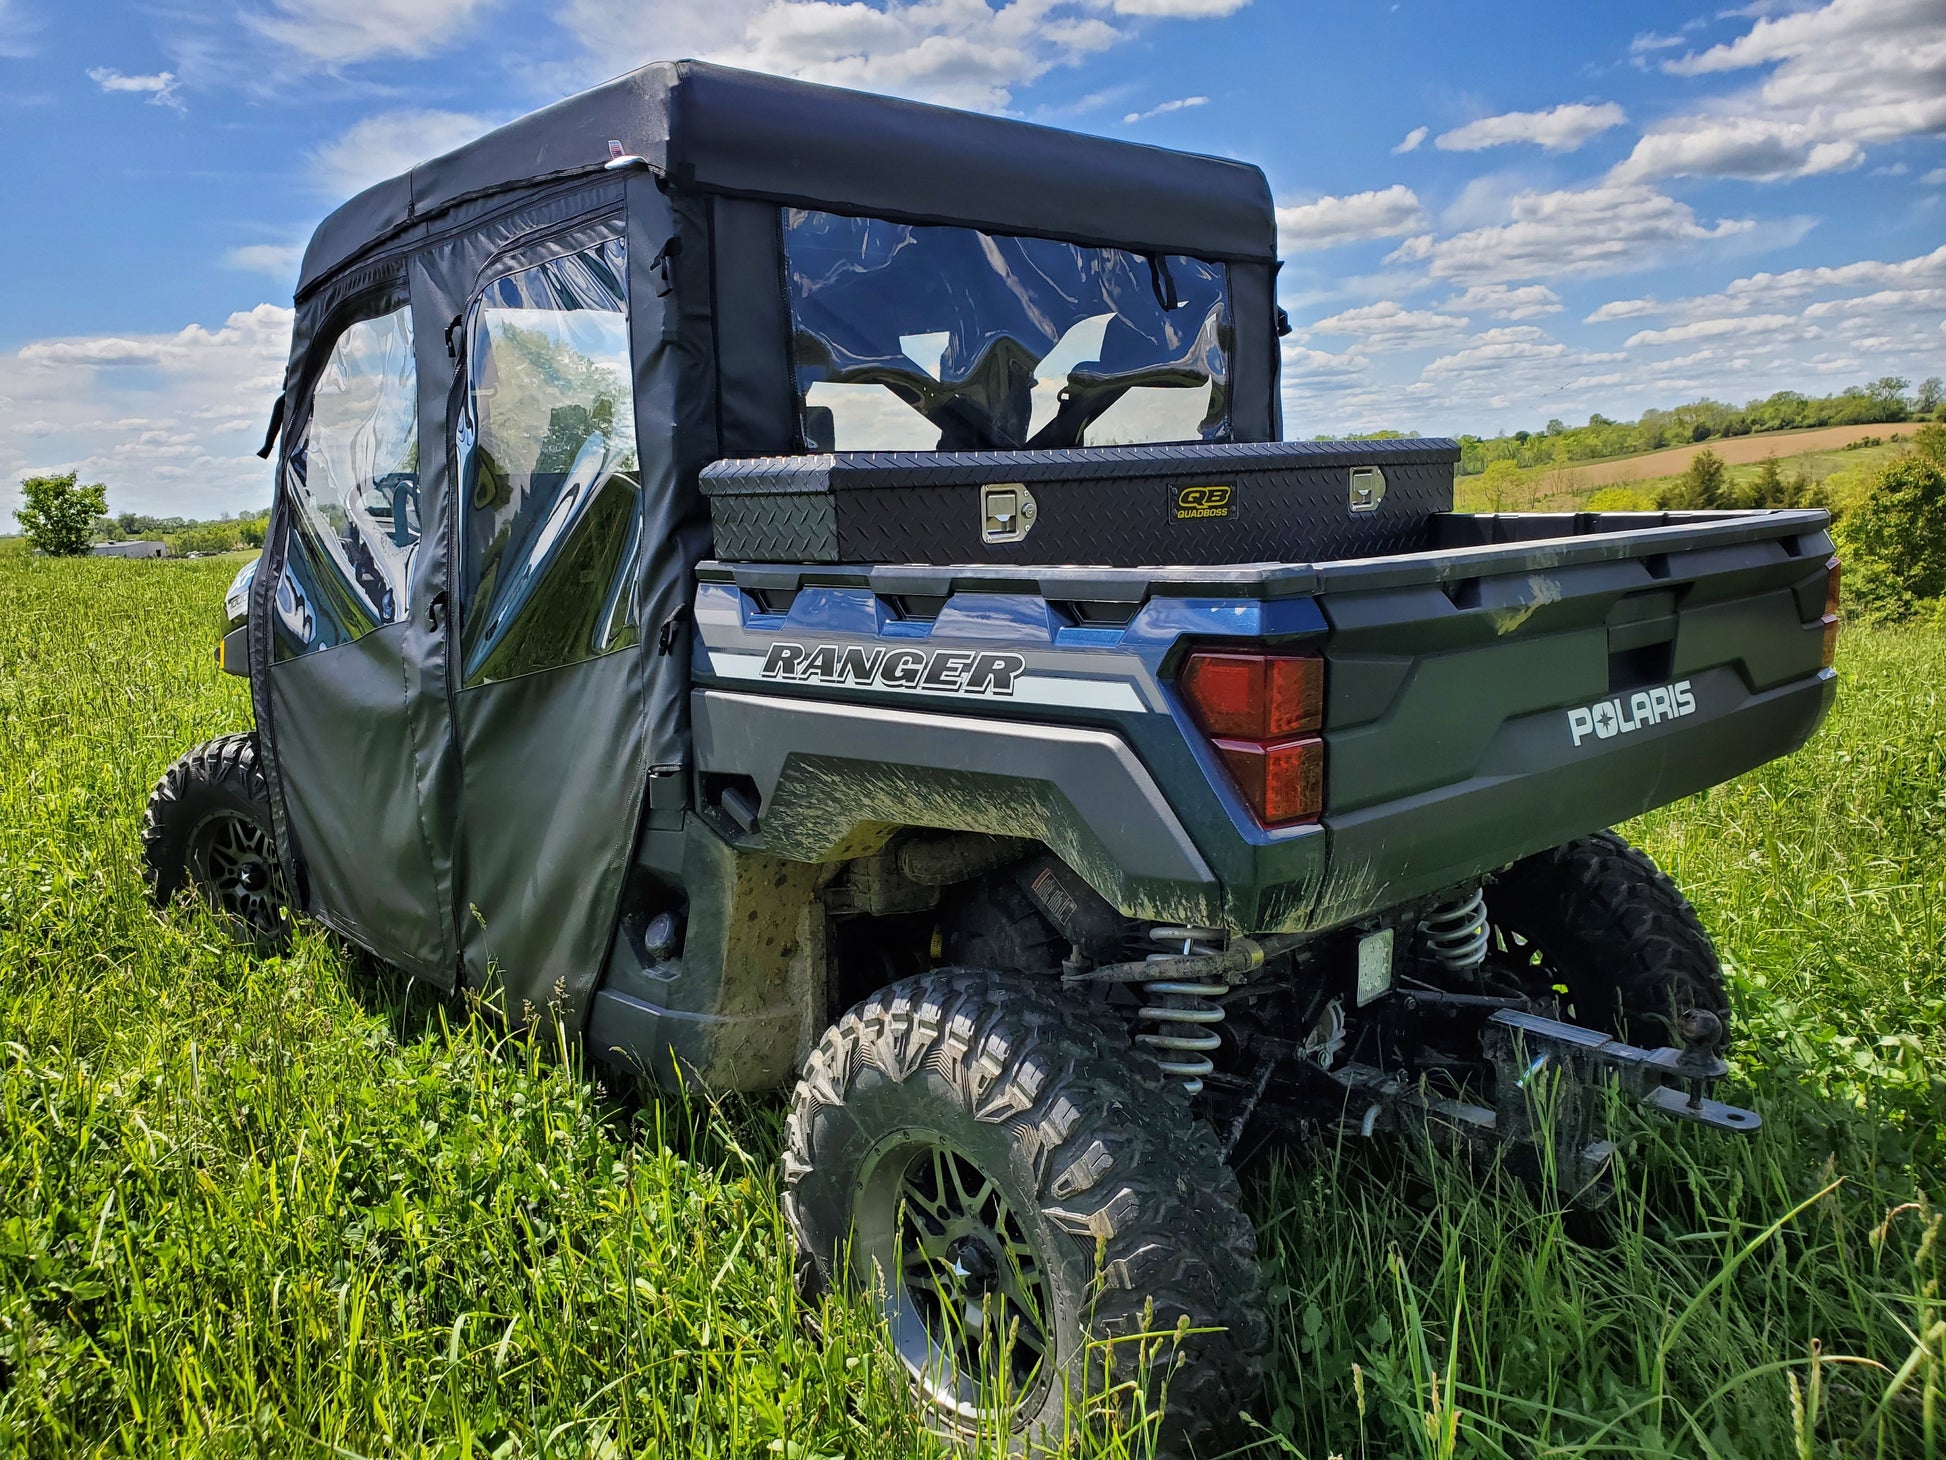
1536 789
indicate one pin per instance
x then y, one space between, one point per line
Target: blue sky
1491 214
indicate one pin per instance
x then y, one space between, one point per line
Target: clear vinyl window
352 477
922 338
552 522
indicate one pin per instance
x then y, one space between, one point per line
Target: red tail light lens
1283 782
1835 576
1255 696
1261 712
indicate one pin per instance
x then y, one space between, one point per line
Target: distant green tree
1930 395
58 514
1500 478
1768 488
1701 487
1888 394
1893 541
1930 442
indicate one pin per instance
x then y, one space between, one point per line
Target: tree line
1888 399
65 517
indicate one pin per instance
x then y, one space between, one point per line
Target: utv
805 587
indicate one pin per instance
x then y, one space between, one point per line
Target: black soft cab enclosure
510 367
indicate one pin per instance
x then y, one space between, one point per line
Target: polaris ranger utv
807 589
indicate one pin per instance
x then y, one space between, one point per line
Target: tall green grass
291 1206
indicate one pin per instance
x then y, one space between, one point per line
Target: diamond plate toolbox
1112 506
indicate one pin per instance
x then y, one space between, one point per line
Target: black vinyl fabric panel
720 130
345 750
750 330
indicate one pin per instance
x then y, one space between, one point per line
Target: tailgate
1500 696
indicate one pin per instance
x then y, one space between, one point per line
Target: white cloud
1841 77
1496 349
1934 179
1412 140
1388 325
1648 43
1326 222
1761 149
1623 309
16 32
331 33
160 89
1561 129
1894 301
1180 9
1181 103
966 53
1530 301
386 145
1714 329
277 259
1316 366
1578 231
1922 270
171 422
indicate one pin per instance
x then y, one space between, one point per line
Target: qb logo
1195 502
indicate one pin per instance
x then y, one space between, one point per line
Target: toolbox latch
1367 488
1007 512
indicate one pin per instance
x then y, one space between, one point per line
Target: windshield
912 338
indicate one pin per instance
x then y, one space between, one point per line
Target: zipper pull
665 639
671 248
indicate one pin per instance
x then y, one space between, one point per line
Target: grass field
288 1206
1629 483
1736 450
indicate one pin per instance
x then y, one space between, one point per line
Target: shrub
1930 442
1619 499
58 515
1700 487
1893 540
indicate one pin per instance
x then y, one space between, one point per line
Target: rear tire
1600 919
993 923
208 827
960 1144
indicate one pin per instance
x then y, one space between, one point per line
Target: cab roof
715 129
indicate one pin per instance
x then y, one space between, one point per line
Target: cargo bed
1521 680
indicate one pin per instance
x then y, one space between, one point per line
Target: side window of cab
352 483
552 521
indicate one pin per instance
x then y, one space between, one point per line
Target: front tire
208 827
1024 1200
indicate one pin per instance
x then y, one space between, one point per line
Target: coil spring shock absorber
1184 1012
1454 934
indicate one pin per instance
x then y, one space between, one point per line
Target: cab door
550 652
346 621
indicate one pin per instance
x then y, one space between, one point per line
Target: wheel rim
234 862
963 1292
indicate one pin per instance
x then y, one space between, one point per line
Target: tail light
1261 713
1835 572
